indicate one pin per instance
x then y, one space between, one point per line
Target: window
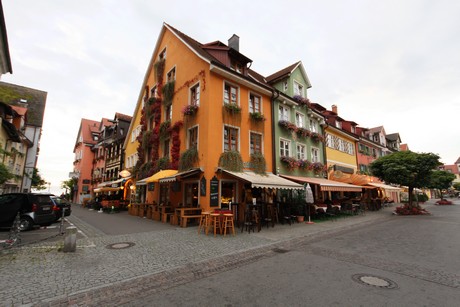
314 155
230 139
283 113
168 112
284 148
195 95
162 54
171 75
256 143
230 94
236 66
254 104
285 86
193 137
299 120
298 89
313 125
300 152
153 92
166 148
338 124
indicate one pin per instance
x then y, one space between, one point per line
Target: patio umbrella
309 200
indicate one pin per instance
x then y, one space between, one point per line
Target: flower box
190 109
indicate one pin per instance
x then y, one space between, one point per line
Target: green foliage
162 163
188 159
231 160
232 108
159 69
5 174
406 168
168 92
38 182
441 180
456 186
258 163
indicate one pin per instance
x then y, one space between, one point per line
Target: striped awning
181 175
269 180
325 184
384 186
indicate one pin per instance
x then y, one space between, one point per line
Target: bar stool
204 222
228 223
215 222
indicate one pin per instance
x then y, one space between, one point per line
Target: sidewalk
40 275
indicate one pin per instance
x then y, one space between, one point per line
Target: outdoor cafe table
163 210
186 212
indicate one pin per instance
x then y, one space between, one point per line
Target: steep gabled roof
286 72
34 100
123 117
393 137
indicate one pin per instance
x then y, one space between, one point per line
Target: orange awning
325 184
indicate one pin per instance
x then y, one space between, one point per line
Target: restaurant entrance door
191 194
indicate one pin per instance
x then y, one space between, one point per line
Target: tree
406 168
38 182
441 180
456 186
70 184
5 174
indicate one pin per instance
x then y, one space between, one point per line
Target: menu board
214 192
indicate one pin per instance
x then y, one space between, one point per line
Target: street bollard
70 239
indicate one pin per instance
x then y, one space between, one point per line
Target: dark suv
60 205
33 208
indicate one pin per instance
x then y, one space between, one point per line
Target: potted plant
257 117
232 108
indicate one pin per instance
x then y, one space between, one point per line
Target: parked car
33 209
61 204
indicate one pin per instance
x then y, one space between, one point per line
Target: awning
181 175
270 180
161 174
106 189
326 185
384 186
110 183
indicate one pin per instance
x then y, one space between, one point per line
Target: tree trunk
411 196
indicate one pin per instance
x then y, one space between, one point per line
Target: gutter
275 95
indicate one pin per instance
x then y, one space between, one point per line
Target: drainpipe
275 95
324 146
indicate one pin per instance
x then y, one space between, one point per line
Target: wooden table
185 214
165 212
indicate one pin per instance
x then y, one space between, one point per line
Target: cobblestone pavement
41 275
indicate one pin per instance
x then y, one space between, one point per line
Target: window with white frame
231 136
283 112
193 137
329 141
301 152
299 120
255 142
162 54
153 92
171 76
314 154
195 95
285 148
168 112
313 125
298 89
254 103
230 94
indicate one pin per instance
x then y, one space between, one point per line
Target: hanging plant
162 163
303 164
256 116
258 163
168 92
190 110
188 159
316 137
287 125
303 132
302 101
317 167
232 108
159 67
146 139
231 160
289 162
175 149
164 130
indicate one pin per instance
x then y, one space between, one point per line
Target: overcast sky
383 63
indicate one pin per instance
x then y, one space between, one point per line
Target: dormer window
338 124
236 66
298 89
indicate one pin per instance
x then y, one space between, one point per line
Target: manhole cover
280 250
121 245
375 281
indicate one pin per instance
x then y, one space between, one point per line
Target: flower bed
444 202
408 210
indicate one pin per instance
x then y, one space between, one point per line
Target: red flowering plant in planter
287 125
190 109
410 210
302 101
303 132
289 162
316 137
317 167
303 164
444 202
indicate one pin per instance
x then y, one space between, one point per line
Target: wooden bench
184 219
166 217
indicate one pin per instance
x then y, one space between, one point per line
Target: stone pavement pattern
40 275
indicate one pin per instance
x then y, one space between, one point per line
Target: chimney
334 109
234 42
